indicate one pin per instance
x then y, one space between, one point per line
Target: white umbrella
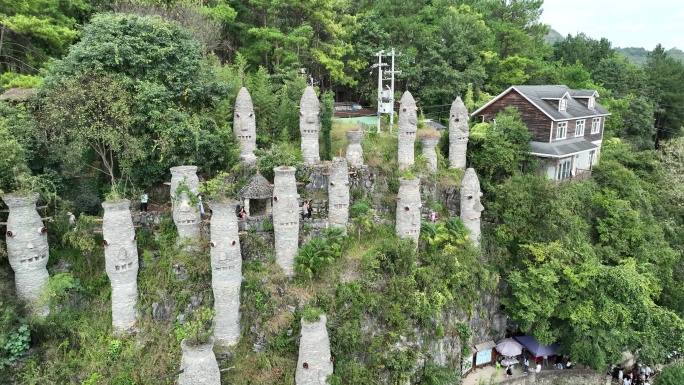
509 347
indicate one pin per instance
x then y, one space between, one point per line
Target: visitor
509 371
526 364
72 218
538 368
559 366
306 210
242 214
620 375
648 371
568 364
433 216
627 381
545 361
143 202
200 204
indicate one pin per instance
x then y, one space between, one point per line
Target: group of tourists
639 375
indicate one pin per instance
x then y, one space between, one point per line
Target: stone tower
226 273
185 215
429 143
199 365
408 125
309 126
286 217
27 249
471 206
315 362
458 134
408 209
354 150
338 194
244 126
121 263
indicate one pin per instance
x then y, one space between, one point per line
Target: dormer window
562 104
591 102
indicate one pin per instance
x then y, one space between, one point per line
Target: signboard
466 364
483 357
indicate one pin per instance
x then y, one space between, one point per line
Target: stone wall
309 126
315 362
471 206
27 249
429 152
121 262
244 126
338 194
458 134
199 365
226 273
408 125
560 377
354 150
286 214
185 215
408 209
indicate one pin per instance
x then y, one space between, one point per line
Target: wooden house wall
536 121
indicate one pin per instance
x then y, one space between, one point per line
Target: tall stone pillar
458 134
471 205
244 127
315 362
121 262
27 249
429 143
408 125
338 194
186 215
199 365
286 217
309 126
408 209
354 149
226 273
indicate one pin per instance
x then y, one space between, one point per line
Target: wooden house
566 125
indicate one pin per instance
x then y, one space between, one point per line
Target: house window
591 102
563 104
592 158
563 170
595 125
561 130
579 128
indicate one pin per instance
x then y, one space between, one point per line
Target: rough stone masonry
338 194
315 362
226 273
199 365
309 126
429 143
458 134
185 215
408 209
27 248
285 217
244 126
354 149
121 263
471 206
408 125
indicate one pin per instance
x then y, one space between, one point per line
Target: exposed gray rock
429 143
199 365
315 363
27 249
244 126
458 134
226 273
408 209
408 125
471 206
121 263
338 194
309 126
162 311
354 150
286 217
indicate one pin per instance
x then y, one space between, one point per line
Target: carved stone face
474 203
185 213
27 247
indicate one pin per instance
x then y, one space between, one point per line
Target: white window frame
596 125
564 168
579 127
561 127
562 104
591 102
592 158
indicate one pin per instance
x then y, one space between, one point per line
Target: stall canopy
535 348
509 347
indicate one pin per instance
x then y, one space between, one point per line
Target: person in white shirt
648 372
538 368
627 381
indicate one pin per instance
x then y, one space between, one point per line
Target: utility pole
392 72
385 97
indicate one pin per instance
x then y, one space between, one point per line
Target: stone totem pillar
338 194
471 206
244 127
226 273
121 262
309 126
408 125
199 365
354 150
315 362
408 209
458 134
27 249
286 217
185 215
429 143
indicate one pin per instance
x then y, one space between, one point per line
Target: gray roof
258 187
433 124
485 346
561 148
546 99
18 94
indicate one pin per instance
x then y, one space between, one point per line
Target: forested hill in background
636 55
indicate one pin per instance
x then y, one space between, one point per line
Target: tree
326 125
664 76
582 49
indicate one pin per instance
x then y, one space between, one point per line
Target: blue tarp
535 348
